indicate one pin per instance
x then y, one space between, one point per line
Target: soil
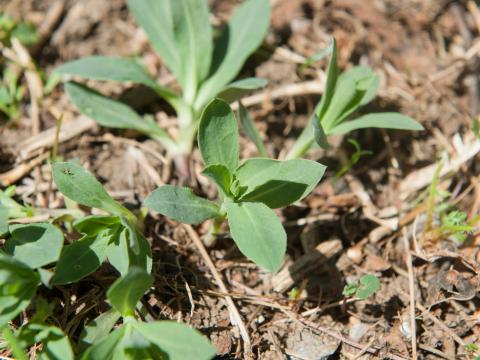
427 55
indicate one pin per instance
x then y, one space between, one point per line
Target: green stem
303 143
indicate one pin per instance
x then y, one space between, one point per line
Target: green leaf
18 284
79 185
56 345
242 36
278 183
125 293
181 204
369 285
387 120
193 38
345 94
107 68
221 176
82 258
105 111
122 256
251 130
218 135
105 349
362 74
94 224
178 341
319 133
35 245
238 89
156 18
329 90
99 328
258 233
3 220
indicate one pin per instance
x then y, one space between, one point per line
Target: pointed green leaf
125 293
251 130
193 38
105 349
181 204
218 135
99 328
278 183
94 224
387 120
118 253
258 233
35 245
82 258
319 133
107 68
329 90
178 341
79 185
3 220
105 111
221 176
238 89
242 36
18 284
113 68
156 18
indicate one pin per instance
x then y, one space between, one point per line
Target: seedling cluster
249 190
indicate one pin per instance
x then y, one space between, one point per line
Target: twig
234 314
371 350
411 288
12 176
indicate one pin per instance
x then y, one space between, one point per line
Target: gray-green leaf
106 112
181 204
125 293
79 185
18 284
244 33
258 233
99 328
238 89
251 130
82 258
387 120
278 183
221 176
178 341
218 135
35 245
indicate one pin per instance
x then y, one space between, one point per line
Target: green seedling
364 288
134 339
354 159
10 28
11 209
181 34
247 192
115 236
11 94
337 111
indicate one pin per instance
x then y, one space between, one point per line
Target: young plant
247 192
10 28
336 112
181 34
364 288
115 236
11 94
135 339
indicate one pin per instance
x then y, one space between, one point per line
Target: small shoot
354 159
363 289
11 94
336 113
248 192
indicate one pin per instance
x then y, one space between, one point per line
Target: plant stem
303 143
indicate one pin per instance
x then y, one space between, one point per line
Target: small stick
230 304
411 288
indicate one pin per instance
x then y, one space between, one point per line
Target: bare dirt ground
427 55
